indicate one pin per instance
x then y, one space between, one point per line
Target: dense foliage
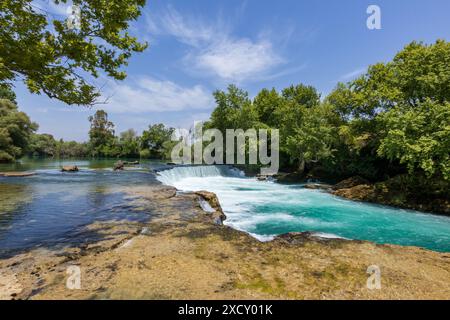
44 145
155 143
16 129
394 119
392 123
54 58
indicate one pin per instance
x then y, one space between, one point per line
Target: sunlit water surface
51 208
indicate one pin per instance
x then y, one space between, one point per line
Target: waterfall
170 176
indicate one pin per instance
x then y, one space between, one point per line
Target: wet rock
290 177
363 192
211 198
350 183
218 216
119 165
69 169
265 177
388 193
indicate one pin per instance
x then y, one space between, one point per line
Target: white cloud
237 59
191 32
353 74
147 94
214 50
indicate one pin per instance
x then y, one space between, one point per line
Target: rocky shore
388 193
182 252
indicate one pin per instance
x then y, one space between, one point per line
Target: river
51 208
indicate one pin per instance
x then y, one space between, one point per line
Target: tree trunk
301 165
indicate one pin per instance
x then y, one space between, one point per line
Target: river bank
392 192
183 253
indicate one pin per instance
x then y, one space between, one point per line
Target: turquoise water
266 209
51 209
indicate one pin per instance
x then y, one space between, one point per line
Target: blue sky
199 46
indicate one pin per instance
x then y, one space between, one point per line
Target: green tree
55 59
419 137
72 149
301 95
229 108
101 134
42 145
417 74
155 139
7 93
296 116
16 129
129 144
266 104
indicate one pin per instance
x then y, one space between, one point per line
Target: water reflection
12 196
52 208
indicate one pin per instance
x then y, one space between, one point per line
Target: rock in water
217 215
119 165
69 169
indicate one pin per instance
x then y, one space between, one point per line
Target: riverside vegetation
388 131
389 128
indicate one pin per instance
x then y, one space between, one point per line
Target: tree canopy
393 119
53 58
16 129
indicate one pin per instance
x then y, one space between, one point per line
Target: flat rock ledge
181 254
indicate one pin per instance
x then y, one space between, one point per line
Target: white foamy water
265 209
